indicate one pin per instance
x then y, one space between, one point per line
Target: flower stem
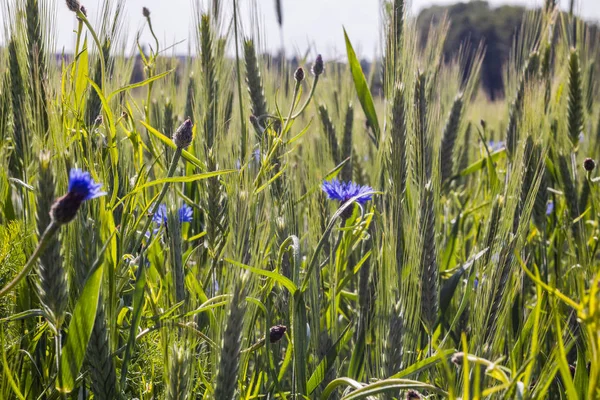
308 99
162 194
44 241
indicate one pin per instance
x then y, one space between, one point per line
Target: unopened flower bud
83 10
183 135
589 164
276 333
318 67
145 12
73 5
299 75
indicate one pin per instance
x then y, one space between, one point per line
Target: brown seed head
457 359
412 395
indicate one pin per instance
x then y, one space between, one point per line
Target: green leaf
449 286
79 332
423 364
140 84
81 76
177 179
481 163
138 311
327 361
391 385
362 89
285 282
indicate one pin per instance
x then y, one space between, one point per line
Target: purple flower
344 191
81 188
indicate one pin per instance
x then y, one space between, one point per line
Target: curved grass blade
362 89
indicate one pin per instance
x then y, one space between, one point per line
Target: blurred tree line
477 21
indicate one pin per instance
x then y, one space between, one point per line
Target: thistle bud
65 208
146 12
73 5
276 333
589 164
318 68
183 135
299 75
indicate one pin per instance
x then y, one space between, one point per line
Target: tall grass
219 268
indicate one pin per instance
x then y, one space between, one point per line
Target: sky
314 25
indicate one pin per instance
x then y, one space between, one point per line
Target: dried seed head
412 395
276 333
299 75
183 135
318 67
146 12
73 5
457 359
589 164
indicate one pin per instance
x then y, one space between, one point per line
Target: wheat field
233 225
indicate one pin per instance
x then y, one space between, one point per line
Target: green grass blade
362 89
79 332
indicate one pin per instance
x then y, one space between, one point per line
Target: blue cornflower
81 188
344 191
549 207
160 216
83 185
185 213
494 146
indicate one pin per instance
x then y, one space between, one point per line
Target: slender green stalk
45 240
161 195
